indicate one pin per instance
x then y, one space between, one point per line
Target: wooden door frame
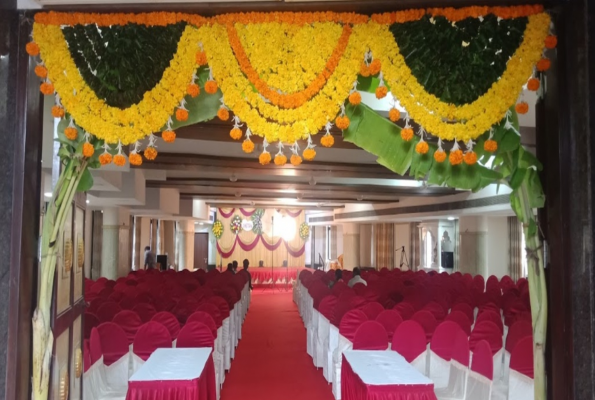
208 245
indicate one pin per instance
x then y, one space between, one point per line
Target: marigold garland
422 147
201 58
490 146
88 150
211 87
355 98
41 71
57 112
375 67
32 49
522 107
407 134
120 160
470 158
247 146
309 154
71 133
543 64
193 89
264 158
134 159
551 42
455 157
533 84
295 160
46 88
280 159
105 159
381 92
440 156
168 136
327 141
223 114
181 114
394 115
235 133
342 122
150 153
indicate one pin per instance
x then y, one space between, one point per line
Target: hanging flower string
236 132
456 155
381 90
168 135
407 131
193 89
440 154
295 159
134 157
490 145
70 131
105 158
422 146
88 149
342 121
327 140
151 150
182 112
470 156
354 97
280 158
265 156
223 112
57 109
247 145
119 159
309 153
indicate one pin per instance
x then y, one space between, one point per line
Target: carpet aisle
271 362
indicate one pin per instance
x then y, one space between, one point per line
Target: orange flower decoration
88 149
47 88
470 157
342 122
201 58
168 136
235 133
533 84
543 65
264 158
135 159
551 41
247 146
71 133
295 160
381 92
364 70
327 141
57 112
211 87
440 156
193 90
490 146
407 134
522 107
32 49
455 157
309 154
422 147
105 159
41 71
355 98
150 153
223 114
375 67
394 114
280 159
181 114
120 160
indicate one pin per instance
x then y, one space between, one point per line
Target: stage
265 276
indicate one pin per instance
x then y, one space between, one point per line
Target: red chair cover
129 321
168 320
204 318
221 304
489 315
338 288
483 362
427 321
357 302
149 337
460 349
95 346
359 289
486 331
339 311
492 283
479 283
390 319
516 332
350 322
443 339
372 310
327 306
405 309
409 340
115 296
466 309
371 335
436 309
461 319
114 343
127 303
213 311
145 311
195 334
91 321
521 358
144 297
107 311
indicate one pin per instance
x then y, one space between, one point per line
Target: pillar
169 241
366 245
351 246
185 245
115 247
143 239
473 245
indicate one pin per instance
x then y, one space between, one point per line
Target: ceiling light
233 178
451 218
48 194
201 223
312 181
87 201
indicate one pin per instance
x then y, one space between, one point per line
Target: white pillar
144 239
115 246
186 245
473 245
169 241
351 246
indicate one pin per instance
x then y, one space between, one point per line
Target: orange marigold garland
456 155
264 158
235 133
543 64
201 58
522 107
394 115
551 41
342 122
364 70
440 156
181 114
168 136
422 147
223 114
32 49
71 132
41 71
533 84
47 88
150 153
355 98
375 67
105 158
327 140
490 146
280 159
58 111
120 160
134 158
381 92
193 90
88 150
247 146
211 87
295 159
470 157
309 153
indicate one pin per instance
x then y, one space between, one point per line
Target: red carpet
271 361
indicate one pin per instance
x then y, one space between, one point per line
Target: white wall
497 246
402 238
339 243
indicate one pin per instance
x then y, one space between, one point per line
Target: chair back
213 311
460 349
406 310
482 362
460 319
339 311
327 306
129 321
168 320
195 334
427 321
350 322
145 311
466 309
489 315
91 321
521 358
205 318
107 311
390 319
372 310
150 337
409 340
114 343
443 339
436 309
221 304
127 303
371 335
517 331
95 346
486 331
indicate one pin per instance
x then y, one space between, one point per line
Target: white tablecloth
173 365
384 367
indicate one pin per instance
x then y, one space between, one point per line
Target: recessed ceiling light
201 223
451 218
233 178
87 201
48 194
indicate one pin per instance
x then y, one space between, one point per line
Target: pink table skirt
265 274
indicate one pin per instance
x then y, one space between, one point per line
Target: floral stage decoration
217 229
304 231
236 224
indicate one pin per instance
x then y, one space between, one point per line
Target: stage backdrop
279 239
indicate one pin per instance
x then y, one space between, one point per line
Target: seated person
356 278
338 277
246 264
230 268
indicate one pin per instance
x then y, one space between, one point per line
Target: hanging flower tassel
201 56
354 97
193 89
456 155
168 135
440 154
32 49
533 84
151 150
407 131
327 140
134 157
88 149
58 110
211 86
309 153
490 145
295 159
381 90
120 159
181 111
365 67
105 158
470 156
422 146
280 158
236 132
223 112
247 145
265 156
41 71
342 121
71 132
394 115
47 87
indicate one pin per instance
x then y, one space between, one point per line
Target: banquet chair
347 328
406 310
107 311
489 331
372 310
91 321
427 321
409 340
466 309
325 310
480 377
116 355
207 319
436 309
127 303
459 368
95 383
390 319
370 335
517 331
460 319
149 337
168 320
144 311
490 315
226 344
440 354
129 321
521 385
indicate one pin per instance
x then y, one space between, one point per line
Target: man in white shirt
356 278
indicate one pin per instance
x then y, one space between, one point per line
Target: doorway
201 250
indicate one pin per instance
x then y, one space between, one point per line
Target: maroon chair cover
461 319
91 321
327 306
87 361
359 289
149 337
427 321
145 311
115 296
114 343
129 321
144 297
460 349
436 309
521 358
339 311
466 309
339 288
213 311
409 340
483 362
390 319
486 331
107 311
492 283
195 334
127 303
443 339
221 304
357 301
350 322
168 320
489 315
371 335
405 309
95 346
516 332
204 318
372 310
479 283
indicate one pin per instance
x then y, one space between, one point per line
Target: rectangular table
382 375
175 374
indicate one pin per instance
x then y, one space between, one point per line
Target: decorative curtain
414 246
334 254
515 252
384 235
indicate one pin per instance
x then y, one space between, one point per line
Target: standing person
357 278
246 264
338 277
149 258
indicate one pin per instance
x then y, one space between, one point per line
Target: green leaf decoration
131 65
86 182
458 62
